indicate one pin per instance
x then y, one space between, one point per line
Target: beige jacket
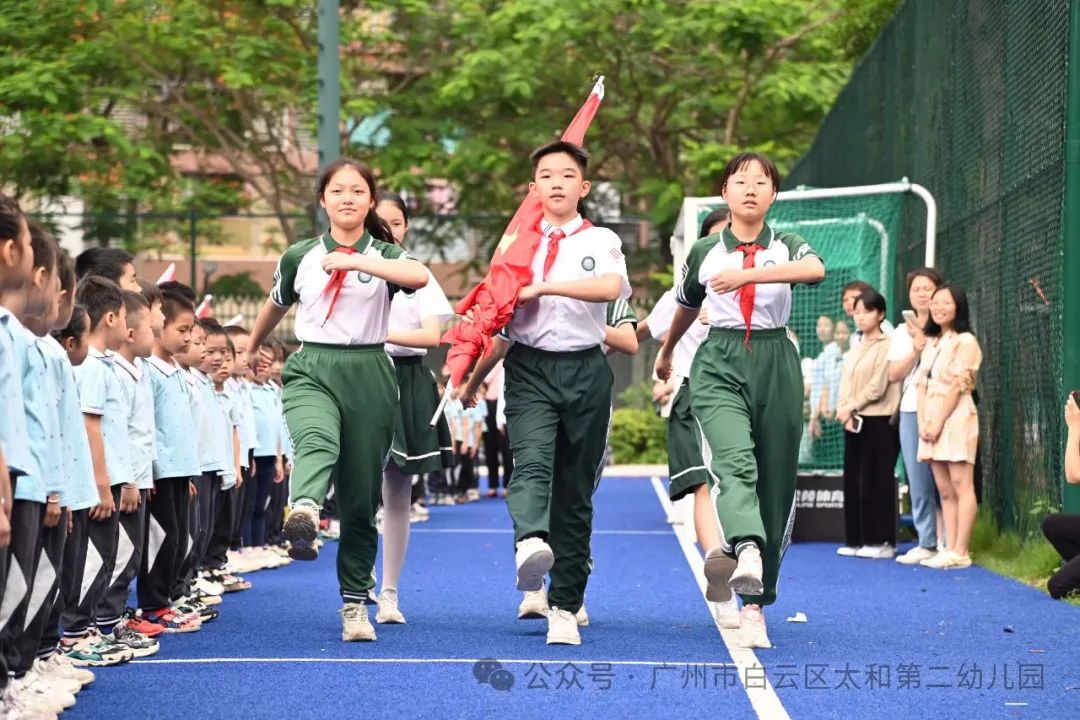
864 379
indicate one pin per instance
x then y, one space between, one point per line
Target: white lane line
508 531
431 661
764 699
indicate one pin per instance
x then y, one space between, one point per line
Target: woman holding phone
871 444
906 347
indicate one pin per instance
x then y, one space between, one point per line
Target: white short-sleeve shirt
659 321
561 324
902 348
408 309
362 313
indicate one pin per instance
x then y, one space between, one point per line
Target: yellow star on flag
507 241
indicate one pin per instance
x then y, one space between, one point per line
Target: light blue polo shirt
55 475
101 394
175 451
286 439
139 394
80 488
12 417
267 405
240 399
213 456
41 425
227 404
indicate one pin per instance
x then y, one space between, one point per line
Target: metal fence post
193 239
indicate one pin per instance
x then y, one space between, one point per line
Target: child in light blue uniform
106 416
32 308
176 463
266 401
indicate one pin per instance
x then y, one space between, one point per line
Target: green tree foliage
236 285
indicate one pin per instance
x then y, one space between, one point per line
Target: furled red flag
168 275
492 301
204 310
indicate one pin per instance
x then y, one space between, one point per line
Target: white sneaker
42 676
534 605
746 580
40 696
203 586
472 495
355 623
727 613
847 551
562 628
916 555
421 510
13 707
718 570
752 628
533 559
389 613
582 616
877 552
947 560
58 665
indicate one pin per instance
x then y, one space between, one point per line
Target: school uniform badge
588 263
364 277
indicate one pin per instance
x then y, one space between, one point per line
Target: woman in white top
416 320
908 342
341 395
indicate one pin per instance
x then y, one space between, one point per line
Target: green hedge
638 437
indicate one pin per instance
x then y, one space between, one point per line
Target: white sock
396 497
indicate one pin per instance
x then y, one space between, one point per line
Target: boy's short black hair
173 304
44 247
234 331
578 153
179 288
150 291
211 326
100 296
743 159
77 326
135 303
107 262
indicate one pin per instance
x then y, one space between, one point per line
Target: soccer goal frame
686 228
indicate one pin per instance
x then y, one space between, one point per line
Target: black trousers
72 570
131 540
208 487
95 569
200 519
1063 532
56 537
496 450
217 552
255 528
47 562
167 541
241 504
275 521
21 559
466 475
870 512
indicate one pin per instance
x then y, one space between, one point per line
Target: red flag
204 310
492 301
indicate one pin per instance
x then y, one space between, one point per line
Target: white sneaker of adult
389 613
562 628
847 551
533 560
877 552
916 555
534 605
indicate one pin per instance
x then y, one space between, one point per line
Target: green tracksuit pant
558 412
340 407
748 406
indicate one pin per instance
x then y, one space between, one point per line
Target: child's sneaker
746 580
12 707
136 623
192 607
171 623
106 645
38 696
582 616
43 675
58 665
472 495
140 645
84 652
355 623
389 613
533 559
302 530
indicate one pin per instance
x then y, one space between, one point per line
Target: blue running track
881 641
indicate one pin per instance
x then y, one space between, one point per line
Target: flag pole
442 403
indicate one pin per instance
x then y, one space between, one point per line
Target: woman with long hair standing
948 420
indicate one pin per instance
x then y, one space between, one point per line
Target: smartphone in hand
909 316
